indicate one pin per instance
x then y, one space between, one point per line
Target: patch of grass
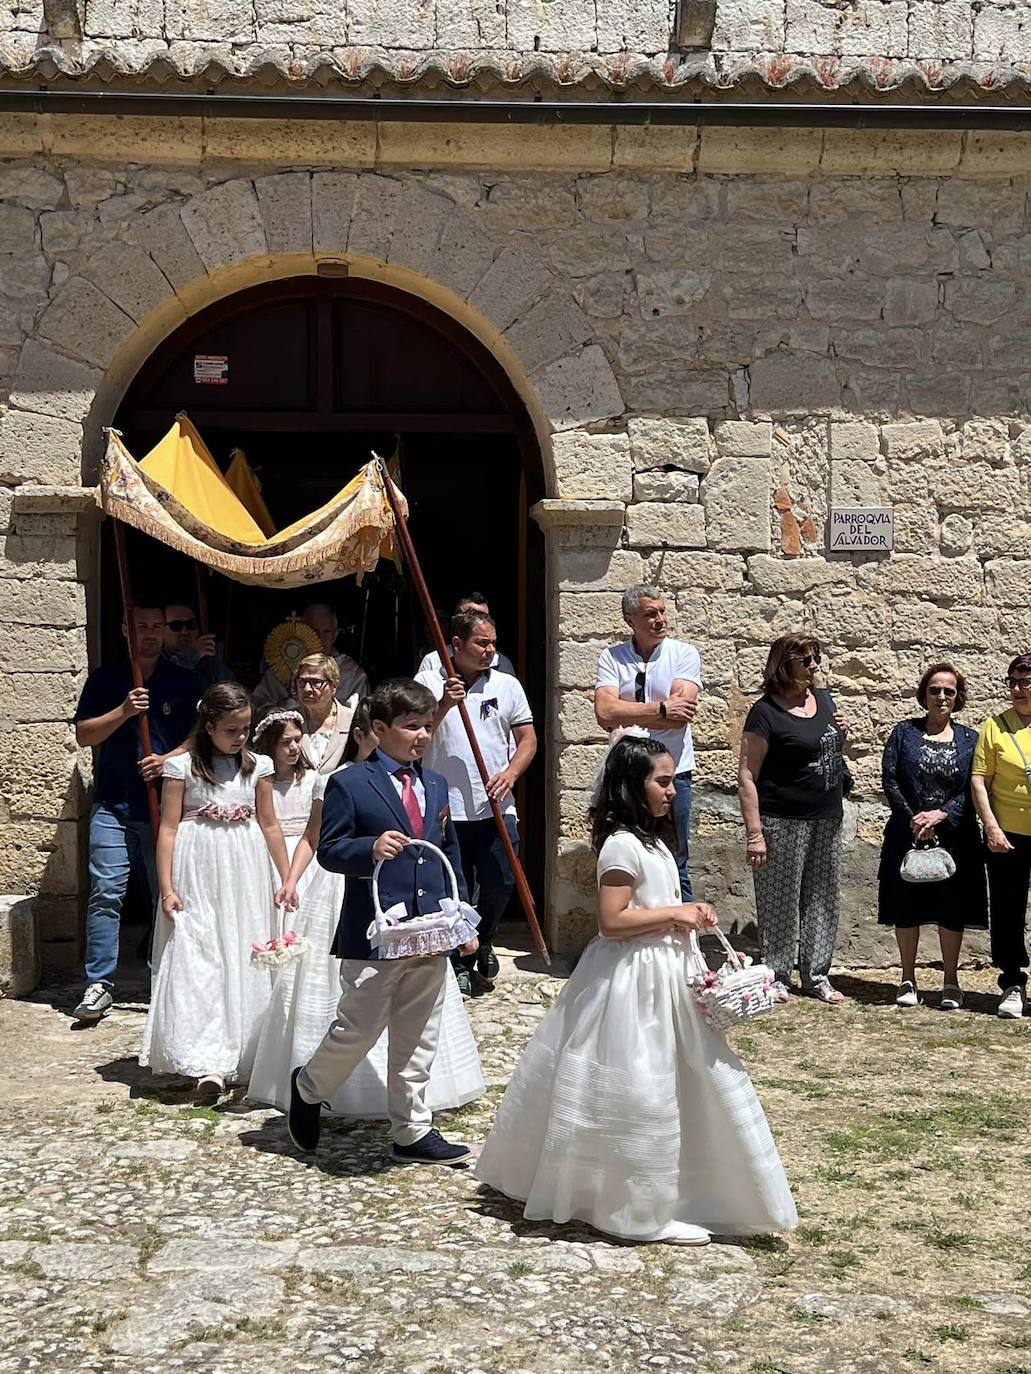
268 1328
104 1108
763 1242
843 1260
29 1269
917 1357
950 1331
964 1300
519 1270
199 1114
768 1366
813 1235
18 1230
1018 1342
834 1173
946 1240
145 1109
150 1243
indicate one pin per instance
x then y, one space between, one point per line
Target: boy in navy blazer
371 811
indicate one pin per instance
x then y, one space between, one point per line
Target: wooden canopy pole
142 721
404 539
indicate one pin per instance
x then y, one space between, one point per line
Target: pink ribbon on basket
288 938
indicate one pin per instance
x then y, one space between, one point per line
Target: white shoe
1011 1004
688 1235
952 997
907 995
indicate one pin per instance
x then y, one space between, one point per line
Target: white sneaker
95 1001
952 997
907 995
1011 1004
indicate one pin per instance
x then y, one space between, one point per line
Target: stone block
854 483
916 528
792 384
32 602
225 224
417 230
85 323
512 283
658 484
962 627
553 327
720 572
39 769
736 498
957 535
378 207
19 950
978 486
910 301
405 24
579 388
743 438
464 252
916 575
574 814
284 202
850 620
130 277
163 235
661 524
561 26
663 443
30 696
915 439
740 151
38 556
578 661
333 196
796 576
31 185
578 765
1008 580
41 856
589 466
667 291
40 448
749 618
596 570
590 614
854 441
50 384
709 728
576 719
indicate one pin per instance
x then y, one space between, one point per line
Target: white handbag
929 865
737 991
396 935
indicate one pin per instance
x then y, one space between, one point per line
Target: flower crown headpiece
272 718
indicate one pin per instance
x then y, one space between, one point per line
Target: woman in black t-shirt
790 789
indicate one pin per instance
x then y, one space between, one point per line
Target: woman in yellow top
1001 787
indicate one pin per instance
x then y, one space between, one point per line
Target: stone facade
709 355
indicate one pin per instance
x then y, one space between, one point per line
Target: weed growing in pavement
951 1332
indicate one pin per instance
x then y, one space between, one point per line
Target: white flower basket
282 950
396 935
737 991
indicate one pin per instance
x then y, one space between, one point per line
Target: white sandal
907 994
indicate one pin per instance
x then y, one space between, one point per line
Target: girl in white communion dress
627 1110
218 830
307 990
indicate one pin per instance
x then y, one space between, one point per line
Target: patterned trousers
797 896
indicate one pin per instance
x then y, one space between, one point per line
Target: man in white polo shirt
653 681
471 601
503 724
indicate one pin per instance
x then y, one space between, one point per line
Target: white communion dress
627 1110
304 1003
293 801
207 1001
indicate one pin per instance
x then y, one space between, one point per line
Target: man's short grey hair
633 596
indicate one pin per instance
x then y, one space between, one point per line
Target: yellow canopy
178 495
241 479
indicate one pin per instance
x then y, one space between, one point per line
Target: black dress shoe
487 965
432 1149
304 1119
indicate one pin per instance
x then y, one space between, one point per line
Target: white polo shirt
672 659
496 704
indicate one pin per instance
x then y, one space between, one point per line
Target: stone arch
187 254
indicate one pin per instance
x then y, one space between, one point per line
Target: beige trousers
404 995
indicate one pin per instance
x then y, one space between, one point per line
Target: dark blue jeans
116 844
486 867
682 825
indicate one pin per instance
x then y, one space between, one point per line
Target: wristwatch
662 710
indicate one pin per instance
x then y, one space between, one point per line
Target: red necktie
410 801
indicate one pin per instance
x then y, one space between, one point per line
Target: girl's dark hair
621 801
266 741
361 720
217 701
933 671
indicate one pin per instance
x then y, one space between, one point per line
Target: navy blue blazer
361 803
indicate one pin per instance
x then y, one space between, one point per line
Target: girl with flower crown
307 989
218 824
279 736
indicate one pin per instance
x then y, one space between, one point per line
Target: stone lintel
54 500
553 514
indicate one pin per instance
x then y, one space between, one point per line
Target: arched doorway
312 374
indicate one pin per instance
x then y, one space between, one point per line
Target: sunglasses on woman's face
807 660
1019 684
942 691
177 626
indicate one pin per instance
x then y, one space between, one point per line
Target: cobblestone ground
138 1232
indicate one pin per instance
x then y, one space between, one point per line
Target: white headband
273 717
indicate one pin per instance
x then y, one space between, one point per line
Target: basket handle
733 958
425 844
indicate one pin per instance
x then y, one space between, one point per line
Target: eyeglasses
315 683
942 691
807 660
1019 684
639 686
177 626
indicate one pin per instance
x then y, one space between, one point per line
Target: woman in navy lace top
926 778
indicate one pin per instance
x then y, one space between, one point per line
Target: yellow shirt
997 760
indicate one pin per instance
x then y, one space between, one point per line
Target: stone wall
132 34
708 358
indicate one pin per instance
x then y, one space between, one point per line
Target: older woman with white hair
327 719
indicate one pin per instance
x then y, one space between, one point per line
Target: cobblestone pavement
139 1232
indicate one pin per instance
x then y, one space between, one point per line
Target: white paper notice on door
211 369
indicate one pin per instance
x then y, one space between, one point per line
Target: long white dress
293 801
304 1003
207 1001
627 1110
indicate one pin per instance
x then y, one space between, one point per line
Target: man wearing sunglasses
652 681
187 648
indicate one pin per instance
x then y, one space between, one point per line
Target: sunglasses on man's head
177 626
1019 684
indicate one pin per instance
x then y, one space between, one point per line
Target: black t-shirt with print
802 772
